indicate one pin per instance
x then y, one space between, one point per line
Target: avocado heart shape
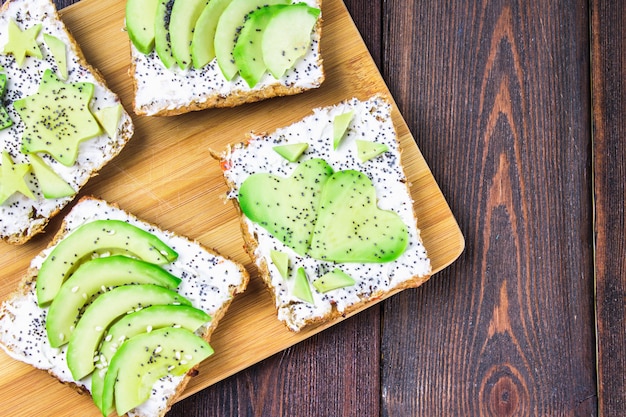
331 216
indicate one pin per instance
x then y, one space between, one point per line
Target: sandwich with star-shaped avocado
59 122
326 211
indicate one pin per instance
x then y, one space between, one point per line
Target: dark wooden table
519 109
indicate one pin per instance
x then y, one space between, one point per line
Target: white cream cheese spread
19 214
207 281
372 122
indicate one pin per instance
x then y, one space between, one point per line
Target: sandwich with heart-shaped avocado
119 308
59 122
326 211
191 55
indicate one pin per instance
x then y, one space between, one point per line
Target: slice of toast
277 230
161 91
209 280
23 216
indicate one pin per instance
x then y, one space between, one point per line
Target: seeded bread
22 217
166 92
209 280
371 121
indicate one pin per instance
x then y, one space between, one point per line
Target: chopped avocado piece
5 119
162 42
57 129
109 119
351 228
292 151
144 359
12 178
140 23
367 150
340 126
287 37
281 261
143 321
57 47
286 207
333 280
301 287
88 280
227 31
202 42
182 23
50 183
97 237
248 51
23 43
102 312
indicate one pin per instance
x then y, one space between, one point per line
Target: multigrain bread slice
23 216
269 236
161 91
209 280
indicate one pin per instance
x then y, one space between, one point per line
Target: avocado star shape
12 178
22 43
57 118
331 216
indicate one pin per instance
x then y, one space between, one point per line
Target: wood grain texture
497 95
609 103
165 176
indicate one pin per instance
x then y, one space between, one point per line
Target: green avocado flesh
291 152
202 42
301 287
97 237
142 321
281 261
340 125
5 119
88 280
287 37
333 280
57 129
101 313
286 207
144 359
331 216
140 23
58 49
182 24
351 228
227 31
367 150
50 183
162 42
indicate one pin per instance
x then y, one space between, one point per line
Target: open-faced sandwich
191 55
119 308
326 211
59 123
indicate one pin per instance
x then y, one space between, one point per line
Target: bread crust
28 282
38 221
232 99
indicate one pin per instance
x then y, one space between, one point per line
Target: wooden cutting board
166 176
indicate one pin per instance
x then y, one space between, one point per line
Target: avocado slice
301 287
292 151
144 359
227 31
281 261
95 276
248 51
340 126
162 42
286 207
105 309
142 321
58 49
140 23
287 37
23 43
351 228
96 237
12 178
50 183
333 280
367 150
202 42
182 23
5 119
